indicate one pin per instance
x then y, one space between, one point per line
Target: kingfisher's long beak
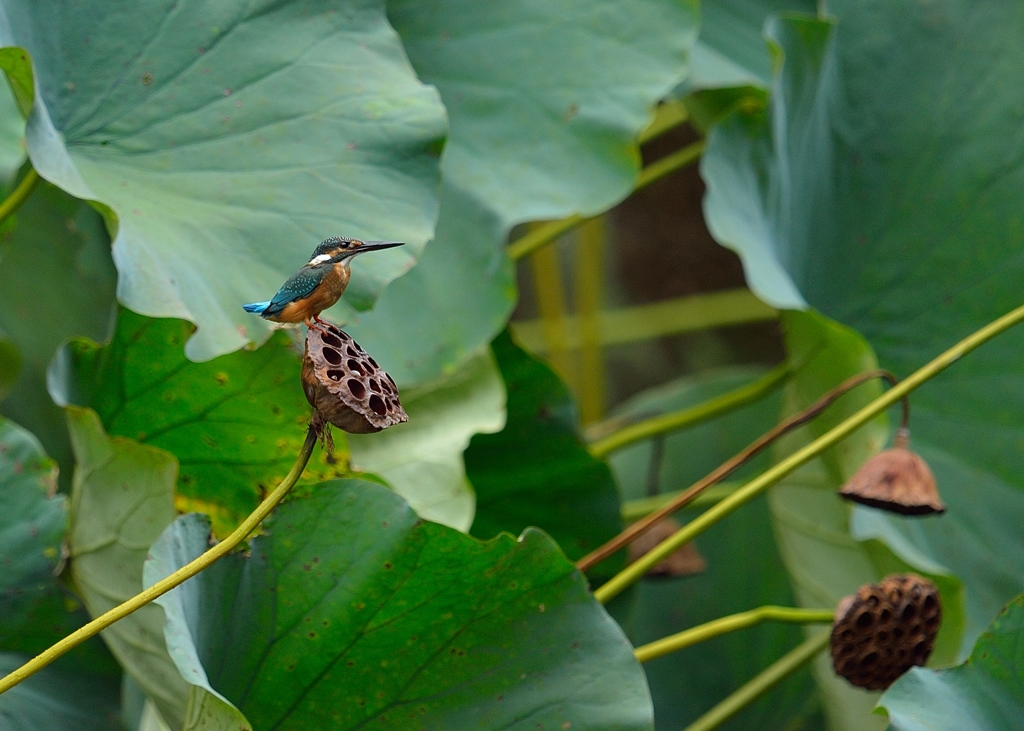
377 246
366 246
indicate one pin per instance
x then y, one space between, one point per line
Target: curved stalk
669 164
734 463
19 194
790 464
685 418
178 577
667 117
545 233
763 681
634 510
731 623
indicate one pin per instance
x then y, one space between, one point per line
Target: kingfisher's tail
256 307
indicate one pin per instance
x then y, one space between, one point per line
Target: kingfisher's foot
317 324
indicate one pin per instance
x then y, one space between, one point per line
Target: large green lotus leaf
123 498
730 50
864 193
60 697
56 281
235 423
183 541
422 459
32 524
536 471
529 86
545 101
812 523
986 693
227 140
743 570
351 612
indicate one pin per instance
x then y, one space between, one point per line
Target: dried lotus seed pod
897 480
885 629
684 561
345 385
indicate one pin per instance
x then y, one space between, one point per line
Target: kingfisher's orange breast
325 295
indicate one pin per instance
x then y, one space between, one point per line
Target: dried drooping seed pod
684 561
345 385
897 480
885 629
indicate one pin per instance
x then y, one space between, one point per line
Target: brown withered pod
885 629
684 561
897 480
345 385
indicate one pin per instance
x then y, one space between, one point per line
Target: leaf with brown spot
398 640
235 423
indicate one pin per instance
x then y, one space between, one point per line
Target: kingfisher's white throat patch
319 259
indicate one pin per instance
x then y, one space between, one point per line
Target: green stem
178 577
667 117
548 232
724 625
543 235
729 466
790 464
633 510
669 164
640 323
18 196
685 418
763 681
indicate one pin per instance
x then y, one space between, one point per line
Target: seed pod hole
332 356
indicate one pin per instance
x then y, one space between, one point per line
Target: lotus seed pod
345 385
684 561
885 629
897 480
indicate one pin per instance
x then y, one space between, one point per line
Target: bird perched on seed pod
317 285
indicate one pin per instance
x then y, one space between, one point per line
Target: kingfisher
317 285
